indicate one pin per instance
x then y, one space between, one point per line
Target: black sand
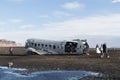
110 67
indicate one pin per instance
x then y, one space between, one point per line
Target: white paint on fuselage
54 47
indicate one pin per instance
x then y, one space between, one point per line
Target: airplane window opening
50 46
38 44
54 47
42 45
46 45
35 44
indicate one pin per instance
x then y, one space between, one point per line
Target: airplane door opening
70 47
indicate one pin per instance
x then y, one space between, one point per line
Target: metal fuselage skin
55 47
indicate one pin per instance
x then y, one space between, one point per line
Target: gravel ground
110 67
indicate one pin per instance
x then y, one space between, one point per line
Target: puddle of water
24 74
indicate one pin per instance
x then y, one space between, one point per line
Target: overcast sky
60 19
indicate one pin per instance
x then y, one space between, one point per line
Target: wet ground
24 74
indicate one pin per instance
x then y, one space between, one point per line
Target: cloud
15 21
94 26
27 26
72 5
115 1
16 0
43 16
97 25
2 23
61 14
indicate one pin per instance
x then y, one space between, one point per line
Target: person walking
11 51
105 51
98 49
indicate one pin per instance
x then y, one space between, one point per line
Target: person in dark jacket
105 51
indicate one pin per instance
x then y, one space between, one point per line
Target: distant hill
8 43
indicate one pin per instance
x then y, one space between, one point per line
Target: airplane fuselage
54 47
